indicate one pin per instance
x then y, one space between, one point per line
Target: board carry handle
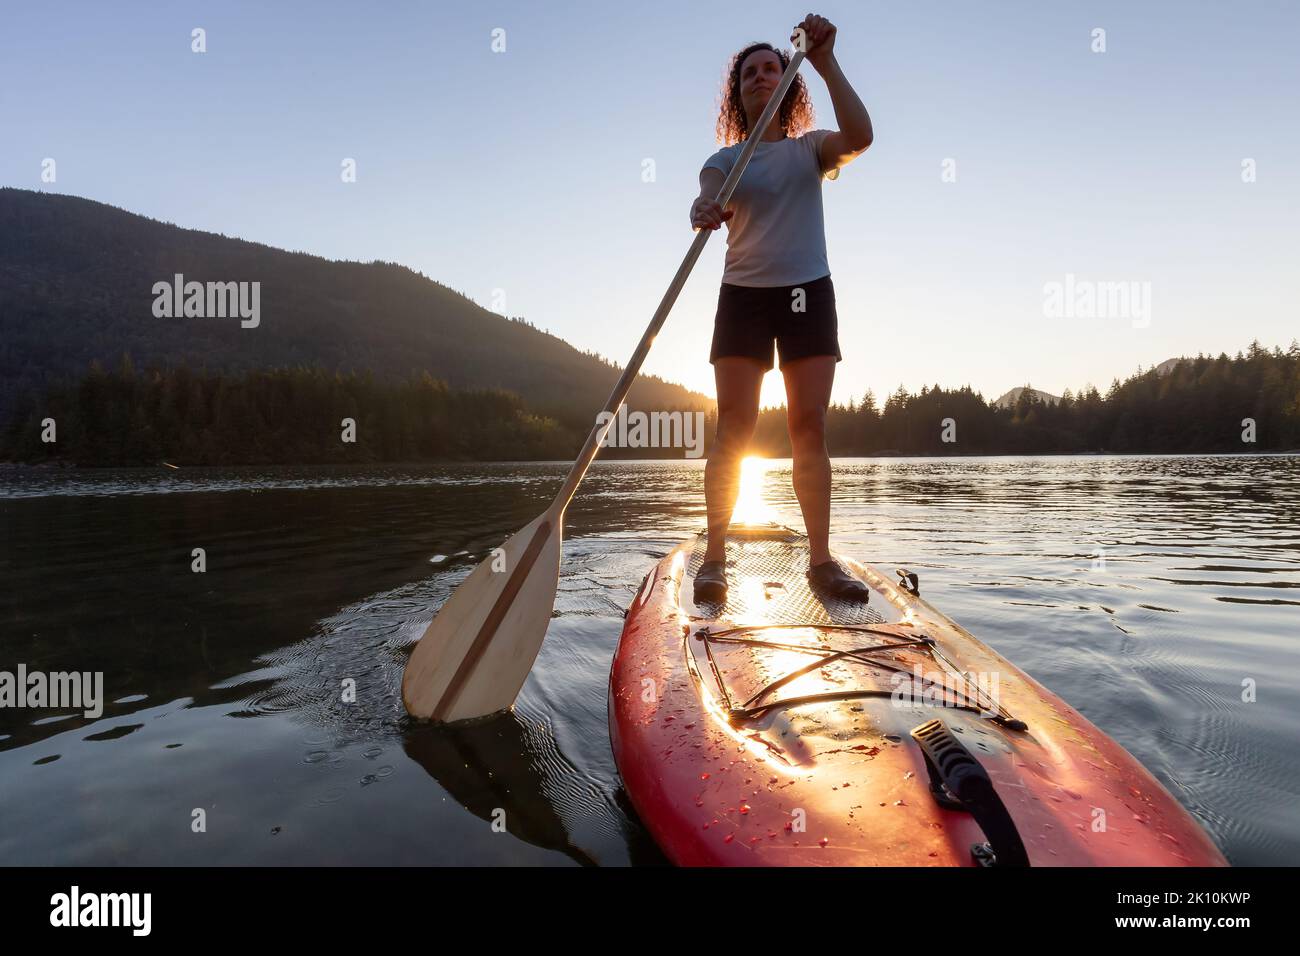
959 782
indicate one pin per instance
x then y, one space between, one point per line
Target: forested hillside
76 285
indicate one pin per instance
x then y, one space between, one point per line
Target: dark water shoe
829 578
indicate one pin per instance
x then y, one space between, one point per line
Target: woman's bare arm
705 212
855 135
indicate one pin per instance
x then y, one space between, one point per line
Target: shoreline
58 466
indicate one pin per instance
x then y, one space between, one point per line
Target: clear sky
521 170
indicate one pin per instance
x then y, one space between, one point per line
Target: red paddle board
789 729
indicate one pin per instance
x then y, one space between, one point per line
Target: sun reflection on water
750 507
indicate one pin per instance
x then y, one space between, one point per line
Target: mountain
77 280
1009 399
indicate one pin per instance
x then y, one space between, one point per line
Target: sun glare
750 506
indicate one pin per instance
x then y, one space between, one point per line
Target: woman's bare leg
739 382
808 392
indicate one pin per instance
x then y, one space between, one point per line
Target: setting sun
750 506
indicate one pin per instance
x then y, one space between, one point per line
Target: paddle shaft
633 367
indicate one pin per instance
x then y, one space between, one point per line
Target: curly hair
795 114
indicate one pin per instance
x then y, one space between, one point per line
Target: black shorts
751 319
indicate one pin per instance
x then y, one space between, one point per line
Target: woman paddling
776 288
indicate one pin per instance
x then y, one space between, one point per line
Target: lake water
223 687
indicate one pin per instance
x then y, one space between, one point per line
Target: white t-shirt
777 235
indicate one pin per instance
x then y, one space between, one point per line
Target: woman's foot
829 578
711 583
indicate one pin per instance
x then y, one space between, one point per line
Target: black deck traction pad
779 563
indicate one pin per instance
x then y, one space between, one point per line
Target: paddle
480 646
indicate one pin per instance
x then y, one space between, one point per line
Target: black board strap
960 782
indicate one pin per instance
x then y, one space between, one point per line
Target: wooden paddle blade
480 646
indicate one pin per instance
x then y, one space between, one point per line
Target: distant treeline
285 416
297 416
1196 408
